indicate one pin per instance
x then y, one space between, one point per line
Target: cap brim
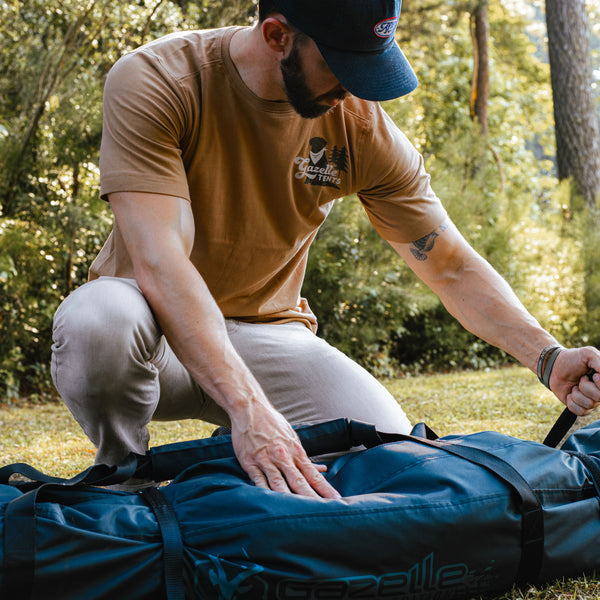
378 77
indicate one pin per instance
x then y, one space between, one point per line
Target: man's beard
298 93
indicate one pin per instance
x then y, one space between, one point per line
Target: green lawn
507 400
510 401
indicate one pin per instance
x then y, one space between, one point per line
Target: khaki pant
115 371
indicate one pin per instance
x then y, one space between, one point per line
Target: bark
576 121
480 83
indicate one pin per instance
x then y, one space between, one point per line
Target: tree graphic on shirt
339 157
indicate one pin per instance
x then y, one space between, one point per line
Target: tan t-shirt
179 120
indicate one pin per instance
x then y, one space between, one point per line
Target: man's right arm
158 231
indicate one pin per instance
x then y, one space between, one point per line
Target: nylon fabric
415 522
531 509
19 547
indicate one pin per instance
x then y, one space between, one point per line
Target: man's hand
570 382
158 231
269 450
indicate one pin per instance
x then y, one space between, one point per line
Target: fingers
309 481
257 477
570 379
269 450
584 397
276 469
311 475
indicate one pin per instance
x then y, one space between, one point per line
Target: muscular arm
474 293
481 300
158 231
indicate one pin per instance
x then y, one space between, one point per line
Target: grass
47 437
507 400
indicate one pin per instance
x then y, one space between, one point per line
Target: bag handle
565 421
94 475
166 462
339 435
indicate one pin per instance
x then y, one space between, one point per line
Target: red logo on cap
386 28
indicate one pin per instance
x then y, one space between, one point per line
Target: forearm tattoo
420 248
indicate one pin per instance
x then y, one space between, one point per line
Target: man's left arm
483 302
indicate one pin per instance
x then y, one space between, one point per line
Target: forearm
159 233
195 329
264 442
481 300
475 294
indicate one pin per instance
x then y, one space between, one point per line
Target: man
222 154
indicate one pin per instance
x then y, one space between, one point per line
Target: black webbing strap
172 542
565 421
532 526
423 430
95 475
166 462
560 428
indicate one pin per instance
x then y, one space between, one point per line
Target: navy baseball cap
357 41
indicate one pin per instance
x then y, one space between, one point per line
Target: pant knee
98 330
106 306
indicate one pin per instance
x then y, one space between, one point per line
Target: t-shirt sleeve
144 121
398 197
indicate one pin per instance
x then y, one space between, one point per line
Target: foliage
41 259
582 228
500 191
26 311
54 60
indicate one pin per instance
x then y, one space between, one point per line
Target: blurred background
507 128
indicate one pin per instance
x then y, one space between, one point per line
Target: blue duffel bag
419 519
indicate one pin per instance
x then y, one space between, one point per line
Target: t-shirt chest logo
323 166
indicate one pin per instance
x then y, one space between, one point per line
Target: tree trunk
576 122
480 84
61 61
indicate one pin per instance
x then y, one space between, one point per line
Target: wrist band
546 362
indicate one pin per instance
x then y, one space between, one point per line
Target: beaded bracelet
546 361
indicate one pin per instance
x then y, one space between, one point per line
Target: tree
54 56
576 121
480 83
577 141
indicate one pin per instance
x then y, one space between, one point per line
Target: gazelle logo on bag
221 579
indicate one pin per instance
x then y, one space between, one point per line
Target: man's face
305 102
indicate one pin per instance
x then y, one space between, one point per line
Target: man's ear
277 34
